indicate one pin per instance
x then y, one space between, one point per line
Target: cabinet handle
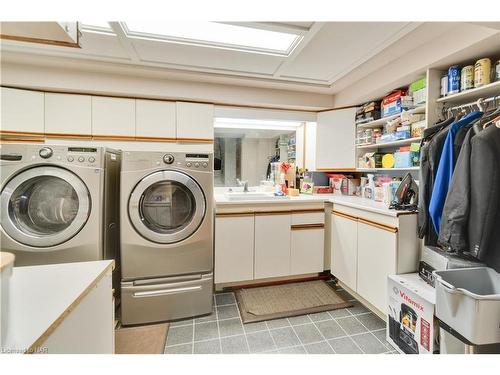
385 227
307 226
344 215
269 213
233 214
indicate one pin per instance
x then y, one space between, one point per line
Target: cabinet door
376 261
272 245
195 121
234 247
113 117
155 118
68 114
344 251
335 139
22 111
307 250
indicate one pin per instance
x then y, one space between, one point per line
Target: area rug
148 339
281 301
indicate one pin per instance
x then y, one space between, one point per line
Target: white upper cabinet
155 118
22 110
113 116
195 121
335 139
68 114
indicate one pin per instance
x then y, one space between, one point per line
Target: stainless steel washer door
167 207
44 206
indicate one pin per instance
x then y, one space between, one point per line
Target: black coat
430 153
472 208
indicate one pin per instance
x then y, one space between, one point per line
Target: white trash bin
468 300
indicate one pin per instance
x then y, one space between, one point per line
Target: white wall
310 152
61 78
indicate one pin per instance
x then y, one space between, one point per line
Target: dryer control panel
198 161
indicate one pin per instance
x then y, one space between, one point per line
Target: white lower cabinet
367 247
272 245
234 248
307 250
376 261
252 245
344 254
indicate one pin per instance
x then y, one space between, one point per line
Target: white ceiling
327 52
346 59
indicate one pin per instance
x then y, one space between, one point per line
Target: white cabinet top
344 200
42 296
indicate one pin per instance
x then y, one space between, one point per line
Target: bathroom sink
252 196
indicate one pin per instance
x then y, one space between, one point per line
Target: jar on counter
497 71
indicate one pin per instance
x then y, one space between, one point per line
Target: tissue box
402 159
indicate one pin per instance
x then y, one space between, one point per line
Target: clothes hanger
493 115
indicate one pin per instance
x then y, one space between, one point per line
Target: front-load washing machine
59 203
166 226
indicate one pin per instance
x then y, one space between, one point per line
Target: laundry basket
468 300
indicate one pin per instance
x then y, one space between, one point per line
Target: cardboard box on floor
411 326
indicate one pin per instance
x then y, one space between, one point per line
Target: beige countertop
42 296
344 200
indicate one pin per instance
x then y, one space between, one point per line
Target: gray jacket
472 207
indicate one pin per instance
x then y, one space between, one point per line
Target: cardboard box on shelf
411 326
350 186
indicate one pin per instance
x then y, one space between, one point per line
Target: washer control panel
198 161
77 156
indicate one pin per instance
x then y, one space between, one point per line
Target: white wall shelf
380 122
401 142
387 169
484 91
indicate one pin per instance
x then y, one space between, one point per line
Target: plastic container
468 300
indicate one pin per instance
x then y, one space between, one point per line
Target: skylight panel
215 34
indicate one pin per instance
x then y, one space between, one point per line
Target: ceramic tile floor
354 330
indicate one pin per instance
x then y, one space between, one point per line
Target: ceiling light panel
214 34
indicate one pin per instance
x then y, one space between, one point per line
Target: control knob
45 152
168 159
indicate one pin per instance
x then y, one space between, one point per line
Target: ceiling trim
305 40
273 26
407 28
125 41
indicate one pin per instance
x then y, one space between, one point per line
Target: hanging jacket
453 232
430 153
445 169
484 218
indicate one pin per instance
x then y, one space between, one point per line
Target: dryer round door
167 207
44 206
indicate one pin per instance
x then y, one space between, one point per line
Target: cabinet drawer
310 217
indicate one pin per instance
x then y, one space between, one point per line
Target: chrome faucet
244 184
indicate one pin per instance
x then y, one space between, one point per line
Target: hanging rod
475 103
